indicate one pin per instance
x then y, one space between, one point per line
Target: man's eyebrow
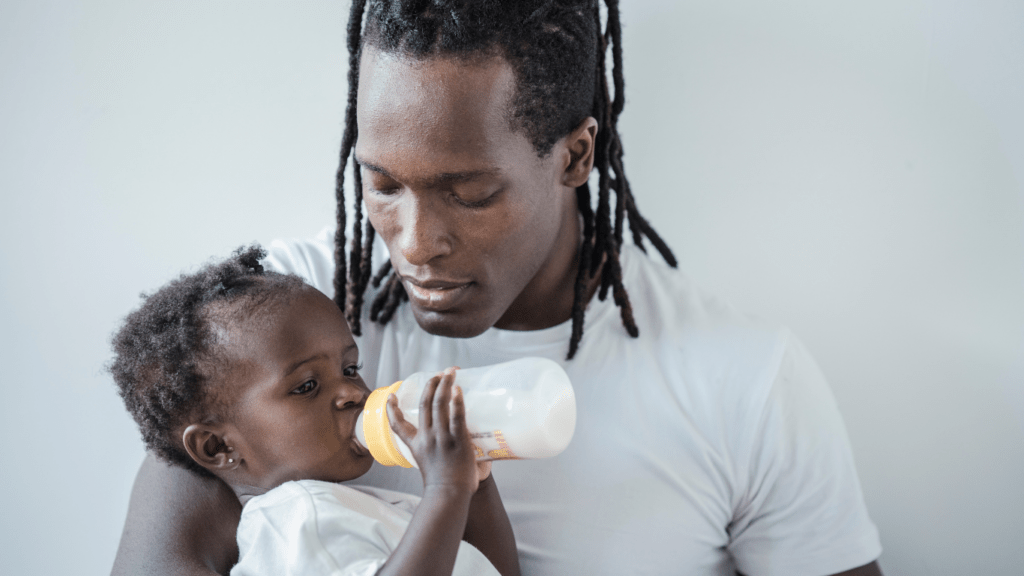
440 179
372 167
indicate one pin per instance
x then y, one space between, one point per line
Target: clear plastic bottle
525 408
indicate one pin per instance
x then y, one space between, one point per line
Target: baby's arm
488 527
447 461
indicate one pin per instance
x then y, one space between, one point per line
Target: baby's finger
426 401
442 398
483 470
457 419
405 430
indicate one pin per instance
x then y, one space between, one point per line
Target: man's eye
476 200
306 387
477 204
353 370
383 189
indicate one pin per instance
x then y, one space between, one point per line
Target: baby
253 377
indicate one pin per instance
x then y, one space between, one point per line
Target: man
706 442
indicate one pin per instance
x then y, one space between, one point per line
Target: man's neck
550 303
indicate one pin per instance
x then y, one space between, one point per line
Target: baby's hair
165 350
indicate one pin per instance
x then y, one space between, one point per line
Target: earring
231 460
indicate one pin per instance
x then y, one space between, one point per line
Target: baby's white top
313 528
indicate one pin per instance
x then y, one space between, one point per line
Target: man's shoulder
310 258
669 306
711 353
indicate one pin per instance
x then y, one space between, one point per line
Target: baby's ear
207 445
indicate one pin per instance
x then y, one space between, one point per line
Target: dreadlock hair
166 350
557 50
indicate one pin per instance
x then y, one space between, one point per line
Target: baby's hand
442 446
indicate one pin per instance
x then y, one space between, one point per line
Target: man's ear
208 445
580 144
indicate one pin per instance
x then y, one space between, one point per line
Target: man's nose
350 394
424 228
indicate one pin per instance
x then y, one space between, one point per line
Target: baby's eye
305 388
351 371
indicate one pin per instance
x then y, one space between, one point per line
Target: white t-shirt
313 528
709 444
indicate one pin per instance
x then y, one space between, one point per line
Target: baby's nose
350 394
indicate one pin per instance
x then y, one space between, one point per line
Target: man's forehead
437 121
453 66
397 96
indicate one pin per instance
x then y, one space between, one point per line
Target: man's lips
435 294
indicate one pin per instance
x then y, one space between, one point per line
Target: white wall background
854 169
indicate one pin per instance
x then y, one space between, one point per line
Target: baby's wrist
448 490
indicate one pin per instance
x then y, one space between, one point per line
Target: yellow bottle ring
377 428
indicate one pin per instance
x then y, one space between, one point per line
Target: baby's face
296 389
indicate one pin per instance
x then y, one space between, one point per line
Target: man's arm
871 569
178 523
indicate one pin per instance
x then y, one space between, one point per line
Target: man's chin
450 324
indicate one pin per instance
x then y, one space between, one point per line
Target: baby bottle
519 409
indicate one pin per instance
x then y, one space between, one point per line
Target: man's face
481 231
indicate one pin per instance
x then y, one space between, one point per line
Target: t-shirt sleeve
801 512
